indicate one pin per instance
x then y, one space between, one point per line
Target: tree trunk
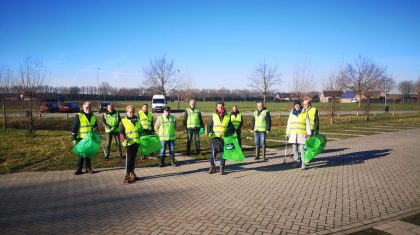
264 100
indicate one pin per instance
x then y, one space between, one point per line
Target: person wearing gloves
236 118
220 125
83 122
194 126
298 129
130 134
166 125
261 126
313 117
111 121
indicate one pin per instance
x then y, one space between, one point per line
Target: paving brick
356 182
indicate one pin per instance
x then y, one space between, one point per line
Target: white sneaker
303 168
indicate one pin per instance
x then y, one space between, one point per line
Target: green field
50 147
209 106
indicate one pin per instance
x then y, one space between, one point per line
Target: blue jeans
259 137
217 147
297 153
171 144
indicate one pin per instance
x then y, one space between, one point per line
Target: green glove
210 134
201 130
74 142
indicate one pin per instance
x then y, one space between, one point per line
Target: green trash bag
314 146
231 150
88 146
149 144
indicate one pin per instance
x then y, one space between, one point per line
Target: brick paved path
356 182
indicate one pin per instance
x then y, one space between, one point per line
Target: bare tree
264 78
407 89
161 75
104 89
186 86
302 82
332 84
7 80
362 77
32 78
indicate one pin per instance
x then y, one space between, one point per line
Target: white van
158 103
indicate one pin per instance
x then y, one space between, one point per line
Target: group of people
303 122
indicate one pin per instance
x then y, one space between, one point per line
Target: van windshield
158 101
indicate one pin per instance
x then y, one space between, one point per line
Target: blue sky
217 43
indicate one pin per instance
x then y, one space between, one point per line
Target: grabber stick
285 152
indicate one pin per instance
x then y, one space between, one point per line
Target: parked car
69 107
49 107
102 106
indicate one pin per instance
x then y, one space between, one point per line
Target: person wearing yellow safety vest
193 124
236 118
83 122
166 126
313 117
111 121
146 121
298 129
261 126
130 134
220 125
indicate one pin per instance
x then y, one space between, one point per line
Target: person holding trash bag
220 125
261 126
83 122
111 121
298 129
130 134
313 117
166 125
236 118
194 126
146 121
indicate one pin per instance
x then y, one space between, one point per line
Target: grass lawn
50 147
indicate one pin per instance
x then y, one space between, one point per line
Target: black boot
188 151
88 166
79 166
162 161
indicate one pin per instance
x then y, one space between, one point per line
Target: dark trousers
217 145
131 157
116 136
196 133
80 162
238 134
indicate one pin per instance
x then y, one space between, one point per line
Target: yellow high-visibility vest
236 120
260 120
131 132
219 127
193 120
85 125
167 128
146 121
112 120
297 123
311 114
